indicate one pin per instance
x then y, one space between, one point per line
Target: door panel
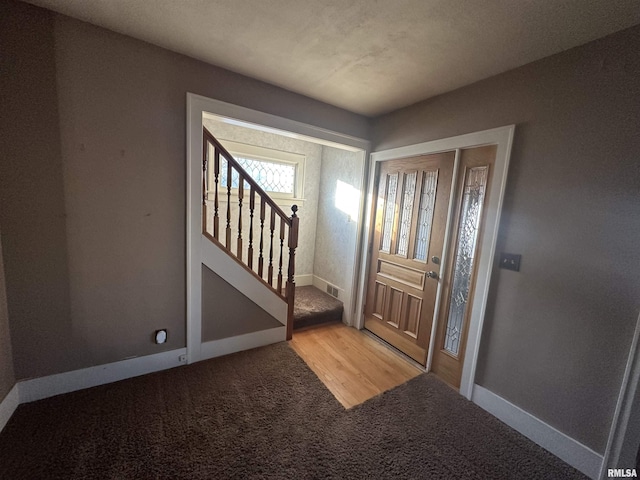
400 273
411 319
410 221
395 303
473 183
379 300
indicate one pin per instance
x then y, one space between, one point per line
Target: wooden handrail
229 158
288 226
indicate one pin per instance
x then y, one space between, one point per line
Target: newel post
291 284
205 161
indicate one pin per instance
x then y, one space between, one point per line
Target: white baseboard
9 405
304 280
566 448
44 387
321 284
225 346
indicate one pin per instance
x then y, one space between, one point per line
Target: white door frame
502 137
627 408
196 106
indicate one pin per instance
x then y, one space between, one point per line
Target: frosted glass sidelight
425 214
409 194
473 197
390 211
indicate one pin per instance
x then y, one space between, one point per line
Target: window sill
280 201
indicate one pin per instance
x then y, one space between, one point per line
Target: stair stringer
219 261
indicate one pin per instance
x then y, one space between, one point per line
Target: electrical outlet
182 358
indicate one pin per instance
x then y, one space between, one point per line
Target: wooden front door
410 222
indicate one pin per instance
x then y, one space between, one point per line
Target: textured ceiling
367 56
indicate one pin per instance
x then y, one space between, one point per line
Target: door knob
432 274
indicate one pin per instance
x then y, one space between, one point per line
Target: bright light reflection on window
347 199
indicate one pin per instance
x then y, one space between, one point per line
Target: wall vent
333 291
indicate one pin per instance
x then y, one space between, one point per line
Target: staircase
255 241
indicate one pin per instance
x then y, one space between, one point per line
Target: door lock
432 274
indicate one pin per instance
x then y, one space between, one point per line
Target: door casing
502 137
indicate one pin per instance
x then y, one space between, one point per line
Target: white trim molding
9 405
304 280
561 445
266 122
502 137
226 346
321 284
49 386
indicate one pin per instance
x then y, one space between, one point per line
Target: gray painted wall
226 312
92 185
32 200
557 333
7 377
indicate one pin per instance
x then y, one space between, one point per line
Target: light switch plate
510 261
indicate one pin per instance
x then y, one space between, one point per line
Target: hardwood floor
352 365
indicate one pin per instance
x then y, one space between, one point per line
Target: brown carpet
313 307
263 414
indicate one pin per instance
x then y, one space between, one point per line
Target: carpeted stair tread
313 307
